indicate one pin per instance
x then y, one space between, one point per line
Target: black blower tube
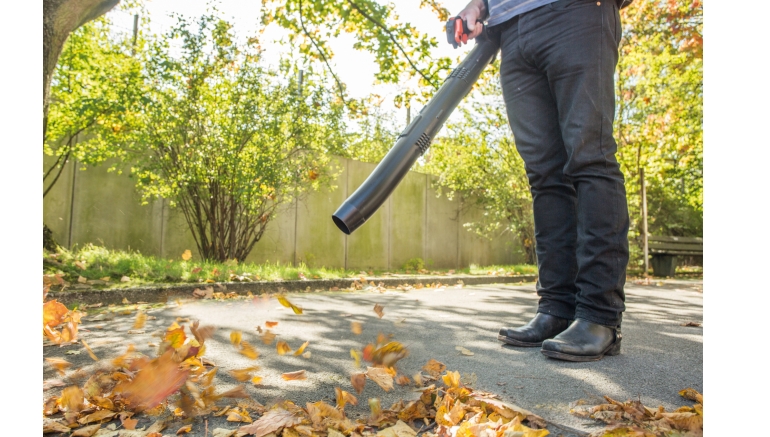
415 139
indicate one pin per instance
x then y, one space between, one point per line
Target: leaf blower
413 142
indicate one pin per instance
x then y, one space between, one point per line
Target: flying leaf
294 376
356 327
282 347
72 399
451 379
356 356
248 351
53 313
358 381
236 337
237 392
202 333
88 349
186 255
301 349
175 337
154 382
141 319
403 380
344 398
59 364
243 375
381 377
379 310
268 337
285 302
270 324
270 422
434 368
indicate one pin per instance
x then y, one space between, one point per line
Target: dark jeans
557 74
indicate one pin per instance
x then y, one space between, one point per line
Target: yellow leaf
356 327
72 399
434 368
344 398
88 349
53 313
301 349
176 337
285 302
154 382
294 376
451 379
236 337
141 319
186 255
97 417
282 347
256 380
356 356
59 364
187 428
248 351
243 375
381 377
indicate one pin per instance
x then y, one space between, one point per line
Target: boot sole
611 350
512 342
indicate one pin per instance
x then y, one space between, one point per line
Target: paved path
659 356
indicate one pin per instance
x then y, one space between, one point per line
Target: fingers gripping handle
457 31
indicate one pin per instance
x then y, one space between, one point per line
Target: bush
414 264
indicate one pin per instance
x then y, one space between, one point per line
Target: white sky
355 68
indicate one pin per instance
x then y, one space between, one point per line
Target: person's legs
534 119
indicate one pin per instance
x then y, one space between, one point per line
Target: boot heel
615 348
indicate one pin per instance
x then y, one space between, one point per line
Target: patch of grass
104 268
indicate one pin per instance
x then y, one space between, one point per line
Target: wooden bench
664 251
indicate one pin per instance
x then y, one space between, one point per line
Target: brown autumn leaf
86 431
270 324
434 368
239 415
141 319
267 337
53 313
236 337
272 421
301 349
282 348
413 411
155 381
243 375
128 422
204 293
379 310
344 398
381 377
294 376
54 425
692 395
356 328
186 255
72 399
201 333
403 380
358 381
185 429
285 302
88 349
248 351
82 280
59 364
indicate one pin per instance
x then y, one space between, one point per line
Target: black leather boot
541 327
583 341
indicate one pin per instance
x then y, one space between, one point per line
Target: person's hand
475 11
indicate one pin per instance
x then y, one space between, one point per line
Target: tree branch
321 52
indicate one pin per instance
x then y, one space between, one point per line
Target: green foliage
414 264
659 123
227 140
95 99
400 50
375 136
477 159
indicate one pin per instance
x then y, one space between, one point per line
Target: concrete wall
103 208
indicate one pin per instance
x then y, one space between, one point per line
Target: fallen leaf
358 381
307 354
294 376
128 423
126 301
403 380
692 395
97 416
282 348
381 377
187 428
72 399
125 279
256 380
236 415
464 351
59 364
205 293
375 407
186 255
434 368
222 432
80 264
82 280
243 375
270 422
356 327
400 429
86 431
301 349
270 324
451 379
136 331
379 310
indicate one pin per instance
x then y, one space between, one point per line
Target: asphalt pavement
659 356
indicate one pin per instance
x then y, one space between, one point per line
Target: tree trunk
60 18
